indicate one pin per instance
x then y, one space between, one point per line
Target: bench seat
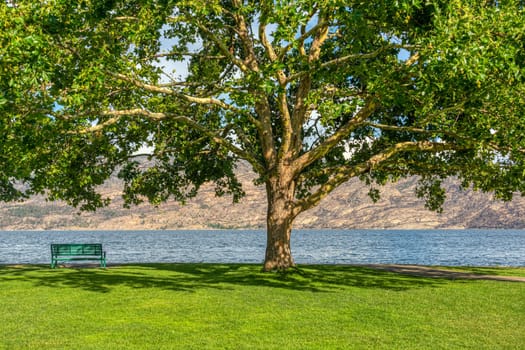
77 252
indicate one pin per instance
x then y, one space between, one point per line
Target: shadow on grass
192 277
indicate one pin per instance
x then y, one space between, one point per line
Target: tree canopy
309 93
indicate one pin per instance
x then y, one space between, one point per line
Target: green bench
77 251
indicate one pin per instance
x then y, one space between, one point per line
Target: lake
425 247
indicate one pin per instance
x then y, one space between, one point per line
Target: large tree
309 93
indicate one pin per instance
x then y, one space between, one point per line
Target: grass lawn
228 306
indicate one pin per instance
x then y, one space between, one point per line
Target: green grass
496 271
219 306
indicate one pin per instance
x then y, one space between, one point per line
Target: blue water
428 247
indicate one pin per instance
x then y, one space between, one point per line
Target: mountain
348 207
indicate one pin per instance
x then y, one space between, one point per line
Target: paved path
426 271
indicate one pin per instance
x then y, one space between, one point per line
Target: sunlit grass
219 306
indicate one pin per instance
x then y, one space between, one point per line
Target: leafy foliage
320 90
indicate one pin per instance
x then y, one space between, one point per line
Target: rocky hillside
348 207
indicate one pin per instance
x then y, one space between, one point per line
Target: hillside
348 207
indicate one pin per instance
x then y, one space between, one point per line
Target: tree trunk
280 194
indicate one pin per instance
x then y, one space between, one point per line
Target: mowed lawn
228 306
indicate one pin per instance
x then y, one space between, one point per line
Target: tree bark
280 190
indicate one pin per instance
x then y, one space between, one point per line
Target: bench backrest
76 249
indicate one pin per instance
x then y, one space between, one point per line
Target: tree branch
347 58
304 35
126 18
305 84
404 128
322 149
217 136
224 49
189 54
187 98
211 35
345 172
267 45
281 77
